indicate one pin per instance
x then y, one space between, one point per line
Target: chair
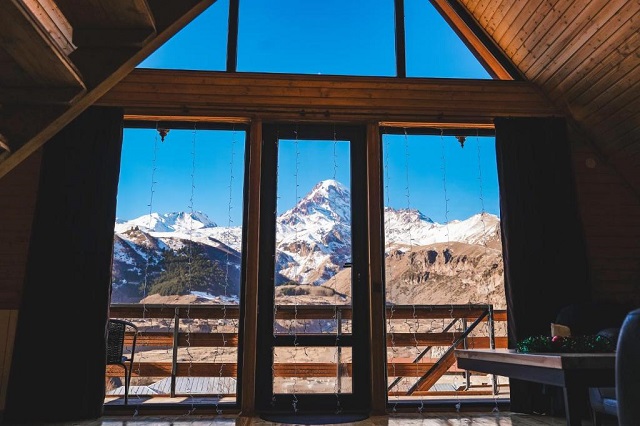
628 370
604 319
116 332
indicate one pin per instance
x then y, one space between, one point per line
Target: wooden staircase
57 57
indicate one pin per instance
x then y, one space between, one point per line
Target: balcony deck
179 363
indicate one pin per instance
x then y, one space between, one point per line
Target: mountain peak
329 185
328 199
168 222
405 216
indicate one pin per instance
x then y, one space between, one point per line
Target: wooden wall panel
8 320
610 211
18 192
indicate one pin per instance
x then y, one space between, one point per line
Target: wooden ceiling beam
46 62
169 17
54 21
172 93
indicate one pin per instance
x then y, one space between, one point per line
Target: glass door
313 319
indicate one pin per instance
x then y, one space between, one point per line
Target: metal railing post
339 354
492 345
467 373
174 356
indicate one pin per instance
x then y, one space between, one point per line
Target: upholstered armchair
628 370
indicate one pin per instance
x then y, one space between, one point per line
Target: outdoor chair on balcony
116 333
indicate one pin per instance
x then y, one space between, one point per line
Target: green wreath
588 344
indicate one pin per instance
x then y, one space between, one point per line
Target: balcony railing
191 350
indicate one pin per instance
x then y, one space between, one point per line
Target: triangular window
201 45
433 49
333 37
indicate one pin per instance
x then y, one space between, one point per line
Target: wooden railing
171 329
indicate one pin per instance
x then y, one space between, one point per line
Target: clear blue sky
330 37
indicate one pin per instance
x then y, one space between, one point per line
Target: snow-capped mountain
412 228
313 241
140 246
169 222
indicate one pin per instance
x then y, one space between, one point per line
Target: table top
556 360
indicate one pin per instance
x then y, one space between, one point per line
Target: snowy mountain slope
313 239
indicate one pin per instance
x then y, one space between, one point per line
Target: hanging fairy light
294 402
189 381
456 323
275 304
488 325
148 259
337 324
228 239
413 325
390 288
444 183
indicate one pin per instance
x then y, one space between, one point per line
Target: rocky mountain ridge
424 260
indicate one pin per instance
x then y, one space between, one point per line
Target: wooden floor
424 419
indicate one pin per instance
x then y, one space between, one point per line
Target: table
574 372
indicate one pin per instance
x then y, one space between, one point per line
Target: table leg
573 405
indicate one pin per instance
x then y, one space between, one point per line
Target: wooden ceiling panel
107 14
539 37
479 8
609 42
563 35
517 15
110 23
578 41
492 15
602 107
12 74
585 57
529 27
613 91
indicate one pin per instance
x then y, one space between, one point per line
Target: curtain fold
545 262
60 344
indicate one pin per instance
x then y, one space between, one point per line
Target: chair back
115 341
628 370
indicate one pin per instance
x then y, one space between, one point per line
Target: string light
275 304
228 242
489 325
444 184
294 401
149 218
189 381
410 258
337 324
390 288
149 256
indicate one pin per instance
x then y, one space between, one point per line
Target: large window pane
433 49
201 45
443 263
306 37
177 259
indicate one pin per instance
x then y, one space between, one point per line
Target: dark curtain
58 367
545 263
